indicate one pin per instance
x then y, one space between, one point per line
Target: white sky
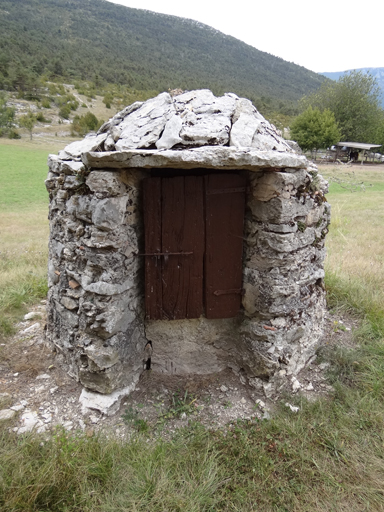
328 35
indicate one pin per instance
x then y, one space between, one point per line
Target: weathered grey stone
245 106
203 103
243 130
143 127
105 381
122 237
53 278
68 318
282 228
106 404
217 157
105 182
323 184
294 145
207 120
103 288
76 149
109 144
69 303
51 181
71 182
171 134
61 195
285 242
279 210
80 207
273 184
102 357
204 346
53 163
266 139
274 261
76 293
30 421
56 248
71 167
108 214
31 315
7 414
116 318
117 118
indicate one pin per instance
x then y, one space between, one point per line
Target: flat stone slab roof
207 157
194 129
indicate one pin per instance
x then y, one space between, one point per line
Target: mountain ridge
99 40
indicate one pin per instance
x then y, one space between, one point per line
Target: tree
7 116
315 129
379 137
28 121
355 101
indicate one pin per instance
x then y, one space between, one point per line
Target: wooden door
193 246
224 221
174 231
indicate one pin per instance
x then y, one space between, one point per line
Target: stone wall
96 282
96 315
284 299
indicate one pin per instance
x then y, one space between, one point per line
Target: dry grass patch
355 248
23 263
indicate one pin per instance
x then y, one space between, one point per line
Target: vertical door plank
152 229
182 231
224 244
173 201
194 242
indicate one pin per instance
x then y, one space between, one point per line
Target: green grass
22 174
359 178
355 248
329 457
23 229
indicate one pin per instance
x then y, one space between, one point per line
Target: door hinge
225 190
237 291
166 254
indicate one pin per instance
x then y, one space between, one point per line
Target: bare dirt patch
34 384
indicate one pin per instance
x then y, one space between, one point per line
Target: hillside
377 73
99 41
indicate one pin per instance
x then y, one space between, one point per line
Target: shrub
65 111
13 134
40 117
45 103
84 124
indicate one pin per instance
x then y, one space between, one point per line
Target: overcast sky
329 35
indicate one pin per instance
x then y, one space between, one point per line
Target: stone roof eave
207 157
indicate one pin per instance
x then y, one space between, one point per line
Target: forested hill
100 41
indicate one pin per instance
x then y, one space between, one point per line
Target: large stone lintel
211 157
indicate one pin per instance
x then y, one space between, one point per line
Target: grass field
23 227
328 457
355 245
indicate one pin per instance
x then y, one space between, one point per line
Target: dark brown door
224 214
193 246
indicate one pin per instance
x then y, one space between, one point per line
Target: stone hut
186 236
